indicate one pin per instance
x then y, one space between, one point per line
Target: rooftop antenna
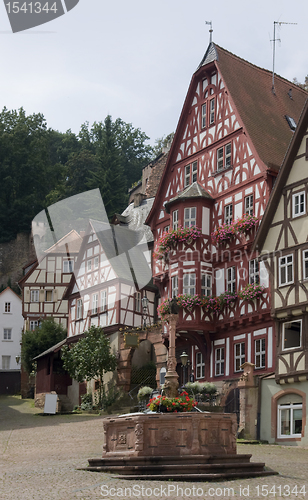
210 30
274 47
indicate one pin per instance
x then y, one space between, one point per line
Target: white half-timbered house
231 138
283 244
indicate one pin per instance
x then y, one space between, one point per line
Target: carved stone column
172 378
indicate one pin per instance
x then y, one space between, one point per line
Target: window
260 353
203 115
285 270
200 365
7 307
68 266
291 122
249 204
95 303
96 262
34 296
224 157
174 286
231 282
254 271
166 229
305 264
48 295
212 111
239 356
290 420
34 324
79 309
104 300
6 361
190 217
291 334
228 214
7 333
219 361
191 172
89 265
175 219
298 204
138 302
189 284
206 285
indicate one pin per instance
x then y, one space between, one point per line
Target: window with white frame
224 157
305 264
189 216
200 365
203 115
286 270
175 219
95 303
298 204
166 229
174 285
206 285
7 333
239 356
34 296
48 295
290 420
33 324
6 361
260 353
292 334
79 309
103 300
219 361
68 266
231 279
248 203
189 283
191 173
254 277
228 214
96 262
89 265
138 301
212 111
7 307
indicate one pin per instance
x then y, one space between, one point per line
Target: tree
35 342
302 85
90 358
163 142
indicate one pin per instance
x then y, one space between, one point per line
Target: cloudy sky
134 59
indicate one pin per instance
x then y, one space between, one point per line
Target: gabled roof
70 243
191 192
54 348
10 289
282 179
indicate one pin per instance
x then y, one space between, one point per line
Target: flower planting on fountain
225 232
172 237
251 291
182 403
210 304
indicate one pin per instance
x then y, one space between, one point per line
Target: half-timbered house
283 244
230 141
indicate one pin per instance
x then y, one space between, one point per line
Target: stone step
200 476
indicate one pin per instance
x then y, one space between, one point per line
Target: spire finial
210 30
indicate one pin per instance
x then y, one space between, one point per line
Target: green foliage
90 358
36 342
162 142
87 402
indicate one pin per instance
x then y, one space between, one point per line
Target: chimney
138 199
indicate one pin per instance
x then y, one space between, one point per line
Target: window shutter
42 295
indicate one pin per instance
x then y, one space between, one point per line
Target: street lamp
184 359
145 303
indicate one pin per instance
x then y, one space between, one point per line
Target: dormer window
191 172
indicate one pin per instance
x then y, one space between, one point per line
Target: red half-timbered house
233 132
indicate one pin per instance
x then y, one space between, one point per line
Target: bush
144 393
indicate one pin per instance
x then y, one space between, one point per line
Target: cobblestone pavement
39 457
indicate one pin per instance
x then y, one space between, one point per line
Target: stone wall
13 256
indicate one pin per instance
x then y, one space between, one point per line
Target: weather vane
274 46
210 30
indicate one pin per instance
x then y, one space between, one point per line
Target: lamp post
184 359
145 303
172 378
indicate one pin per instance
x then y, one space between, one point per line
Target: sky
134 59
